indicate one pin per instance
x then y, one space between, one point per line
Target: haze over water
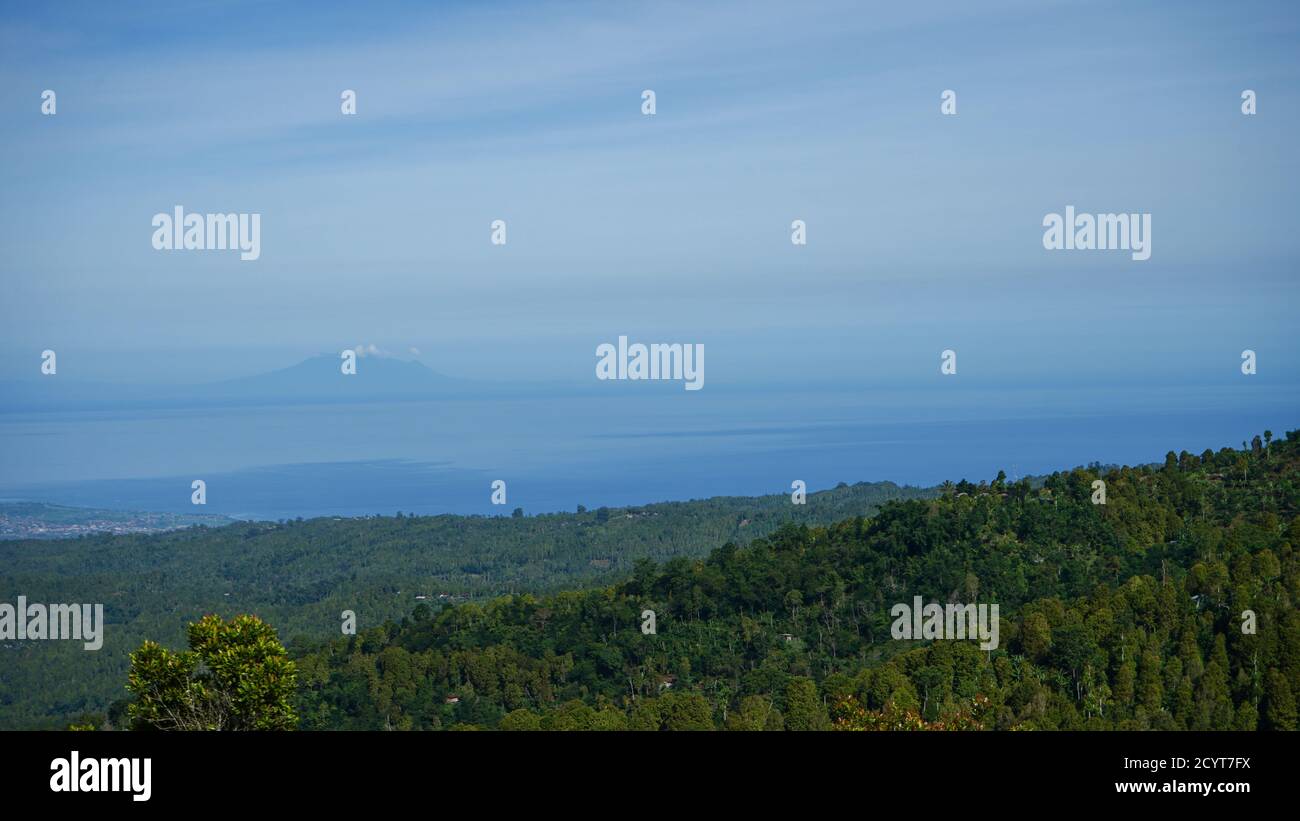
924 233
555 452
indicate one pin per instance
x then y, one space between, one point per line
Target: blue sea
624 448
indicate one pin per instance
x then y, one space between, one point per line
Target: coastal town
31 520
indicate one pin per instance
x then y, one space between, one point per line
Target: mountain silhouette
314 380
321 377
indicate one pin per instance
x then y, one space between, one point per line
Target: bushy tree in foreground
235 676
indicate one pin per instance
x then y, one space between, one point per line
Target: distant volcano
321 377
318 379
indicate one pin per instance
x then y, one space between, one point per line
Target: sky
924 230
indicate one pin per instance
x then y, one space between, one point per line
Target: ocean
628 447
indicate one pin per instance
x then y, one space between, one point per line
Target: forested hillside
300 575
1127 615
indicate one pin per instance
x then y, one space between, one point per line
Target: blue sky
924 230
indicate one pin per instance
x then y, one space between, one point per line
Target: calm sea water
624 448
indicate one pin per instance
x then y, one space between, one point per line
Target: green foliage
1122 616
301 575
1127 615
756 713
803 707
521 719
235 676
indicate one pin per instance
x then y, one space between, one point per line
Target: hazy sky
924 230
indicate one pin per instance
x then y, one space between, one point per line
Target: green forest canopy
1127 615
1171 606
300 575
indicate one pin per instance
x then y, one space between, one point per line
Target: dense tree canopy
235 676
301 575
1171 606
